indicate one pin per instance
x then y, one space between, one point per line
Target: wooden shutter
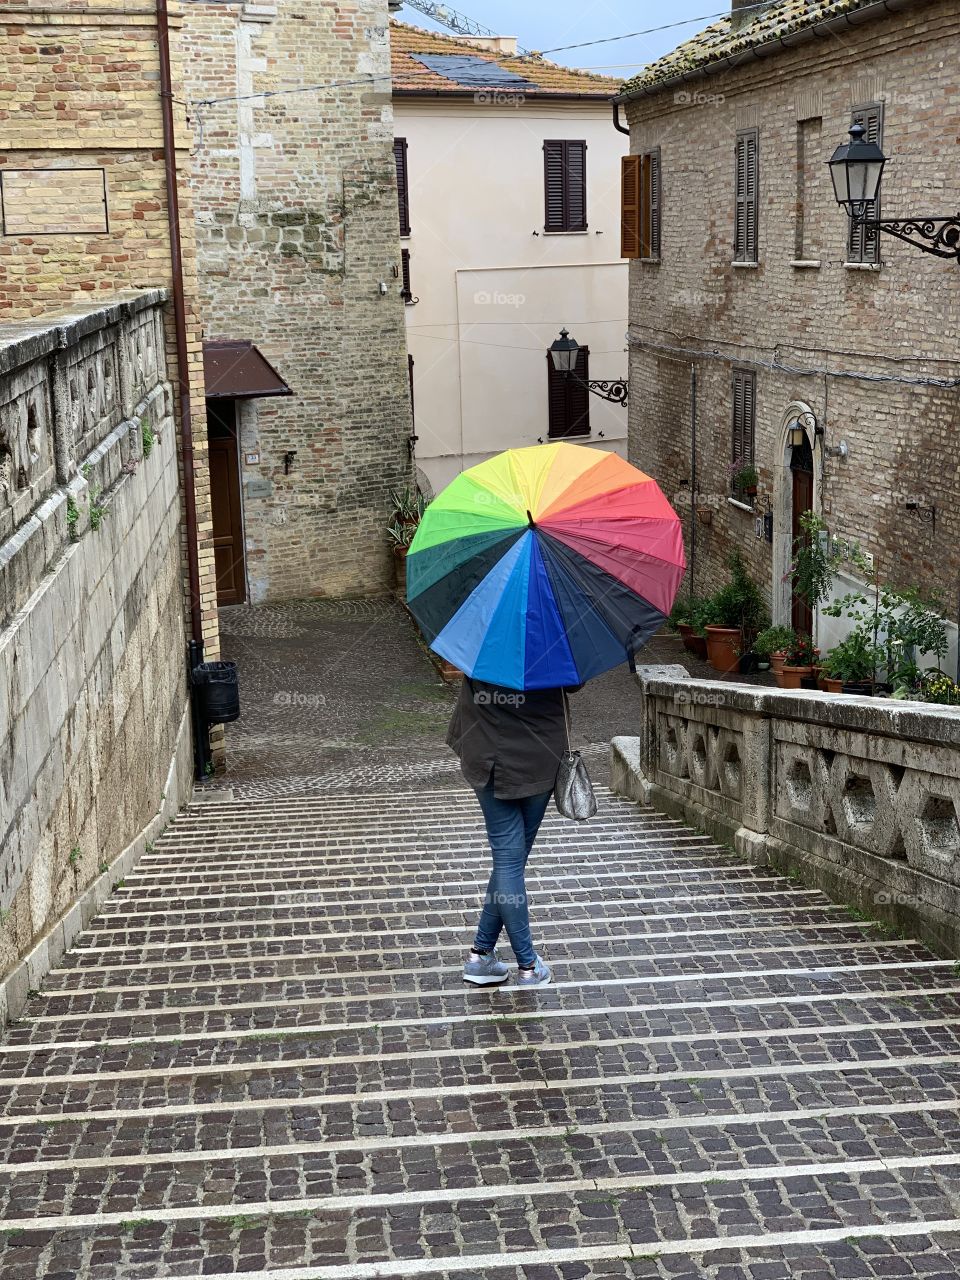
863 244
744 417
406 293
630 167
565 185
653 163
568 401
745 239
403 186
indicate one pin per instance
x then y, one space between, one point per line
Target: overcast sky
544 24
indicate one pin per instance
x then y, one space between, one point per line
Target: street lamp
564 353
856 168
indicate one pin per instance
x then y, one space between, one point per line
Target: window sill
741 506
745 266
584 232
806 264
649 262
862 266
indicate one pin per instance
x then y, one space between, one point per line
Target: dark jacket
518 739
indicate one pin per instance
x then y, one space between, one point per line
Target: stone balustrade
860 796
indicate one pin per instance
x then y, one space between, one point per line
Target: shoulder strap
566 719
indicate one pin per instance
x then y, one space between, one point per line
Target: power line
669 26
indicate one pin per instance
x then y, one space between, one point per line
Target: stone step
323 1238
570 995
356 943
569 906
301 964
536 1163
312 1079
212 1052
426 981
177 909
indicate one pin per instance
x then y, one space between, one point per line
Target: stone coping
22 342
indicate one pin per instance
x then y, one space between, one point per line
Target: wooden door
226 510
801 469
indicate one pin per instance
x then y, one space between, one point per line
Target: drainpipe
620 128
180 322
201 737
693 477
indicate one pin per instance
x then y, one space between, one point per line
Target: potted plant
409 505
686 619
733 617
401 535
772 644
744 479
850 665
798 663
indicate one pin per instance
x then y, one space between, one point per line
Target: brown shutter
403 187
630 167
744 418
653 163
568 401
645 208
406 293
576 192
745 239
565 185
553 184
864 242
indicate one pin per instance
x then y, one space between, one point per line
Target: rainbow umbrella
543 567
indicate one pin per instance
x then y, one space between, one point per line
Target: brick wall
824 316
79 94
297 226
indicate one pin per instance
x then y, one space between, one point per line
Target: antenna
452 19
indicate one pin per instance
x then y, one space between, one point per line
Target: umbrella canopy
543 567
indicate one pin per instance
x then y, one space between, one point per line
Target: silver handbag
574 791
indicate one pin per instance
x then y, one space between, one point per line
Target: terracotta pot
790 677
832 686
776 662
693 643
723 644
400 563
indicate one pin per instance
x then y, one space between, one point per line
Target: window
863 243
640 203
568 399
747 197
403 186
565 186
744 422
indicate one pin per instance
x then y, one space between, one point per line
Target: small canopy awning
234 369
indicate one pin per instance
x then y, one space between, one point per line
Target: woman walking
510 746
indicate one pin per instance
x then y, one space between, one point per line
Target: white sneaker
538 976
485 971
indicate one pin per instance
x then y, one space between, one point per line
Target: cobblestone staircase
261 1060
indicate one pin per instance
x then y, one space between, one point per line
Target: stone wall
93 739
85 197
860 797
820 333
297 226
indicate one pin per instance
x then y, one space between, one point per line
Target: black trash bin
218 691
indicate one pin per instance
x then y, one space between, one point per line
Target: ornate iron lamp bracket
936 235
617 392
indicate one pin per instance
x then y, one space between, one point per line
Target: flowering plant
802 653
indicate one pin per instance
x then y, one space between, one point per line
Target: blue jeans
512 827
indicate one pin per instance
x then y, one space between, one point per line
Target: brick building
298 247
83 191
761 316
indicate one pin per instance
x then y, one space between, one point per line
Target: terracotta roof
720 41
546 78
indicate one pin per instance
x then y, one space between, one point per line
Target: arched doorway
801 482
796 489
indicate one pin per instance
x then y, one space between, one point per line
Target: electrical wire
777 366
668 26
